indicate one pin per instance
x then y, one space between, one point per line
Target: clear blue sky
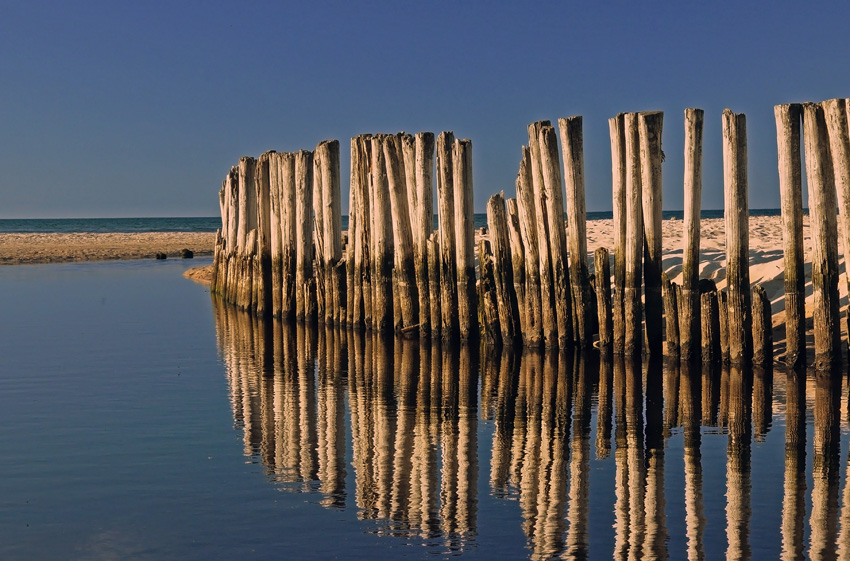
140 108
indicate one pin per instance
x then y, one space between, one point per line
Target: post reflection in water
588 448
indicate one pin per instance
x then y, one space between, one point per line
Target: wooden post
723 320
448 267
650 150
465 238
233 218
424 166
791 196
822 219
572 145
517 261
262 277
835 114
506 296
671 315
737 215
276 234
709 323
602 267
434 286
549 322
532 332
305 304
352 233
689 322
382 251
617 132
404 260
488 309
632 311
363 242
551 171
323 299
331 233
762 327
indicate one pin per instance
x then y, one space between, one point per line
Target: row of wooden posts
281 249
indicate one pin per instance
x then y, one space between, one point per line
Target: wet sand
33 248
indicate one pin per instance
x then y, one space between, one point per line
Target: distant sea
211 223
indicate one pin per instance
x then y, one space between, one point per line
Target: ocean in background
212 223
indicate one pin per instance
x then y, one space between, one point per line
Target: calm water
210 224
140 419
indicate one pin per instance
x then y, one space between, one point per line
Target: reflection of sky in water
120 387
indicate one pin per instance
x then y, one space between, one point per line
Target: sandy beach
35 248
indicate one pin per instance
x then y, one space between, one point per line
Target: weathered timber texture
602 269
689 320
824 232
572 144
517 261
723 318
465 239
446 216
737 214
762 327
305 288
276 248
551 171
632 308
533 331
382 251
617 132
650 125
331 234
709 323
433 249
503 270
791 196
671 315
424 224
549 325
488 309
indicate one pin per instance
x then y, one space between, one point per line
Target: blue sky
139 109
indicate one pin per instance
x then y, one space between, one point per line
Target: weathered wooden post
723 319
689 321
353 203
232 183
835 114
602 268
404 260
331 233
791 196
617 132
363 241
650 125
737 216
671 315
276 247
424 166
632 311
305 303
446 205
533 331
488 306
517 261
262 271
434 288
551 172
247 222
822 215
572 145
382 249
762 327
709 323
288 242
549 325
506 296
465 238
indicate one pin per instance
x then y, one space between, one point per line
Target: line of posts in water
414 408
281 250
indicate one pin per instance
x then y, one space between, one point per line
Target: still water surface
141 419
